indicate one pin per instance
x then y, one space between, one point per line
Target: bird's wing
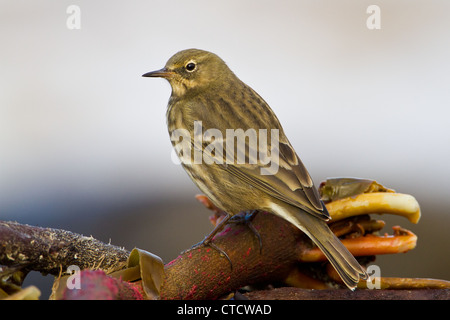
289 180
290 183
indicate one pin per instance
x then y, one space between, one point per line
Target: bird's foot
209 238
207 243
247 218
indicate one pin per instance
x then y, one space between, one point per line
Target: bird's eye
190 66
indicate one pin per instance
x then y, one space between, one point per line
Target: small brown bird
258 168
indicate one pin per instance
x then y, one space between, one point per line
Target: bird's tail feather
342 260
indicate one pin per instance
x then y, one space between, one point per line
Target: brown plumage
208 97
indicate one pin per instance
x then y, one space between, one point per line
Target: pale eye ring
191 66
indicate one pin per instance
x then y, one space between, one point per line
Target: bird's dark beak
162 73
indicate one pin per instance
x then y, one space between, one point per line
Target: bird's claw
247 219
205 242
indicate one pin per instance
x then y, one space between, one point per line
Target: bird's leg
209 237
247 219
238 218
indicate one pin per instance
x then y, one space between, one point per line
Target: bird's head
193 69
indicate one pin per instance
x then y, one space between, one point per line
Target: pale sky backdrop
83 136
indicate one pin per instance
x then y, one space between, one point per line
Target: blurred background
83 138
